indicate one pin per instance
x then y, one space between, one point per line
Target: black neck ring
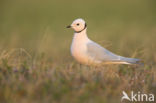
82 29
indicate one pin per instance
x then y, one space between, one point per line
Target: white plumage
88 52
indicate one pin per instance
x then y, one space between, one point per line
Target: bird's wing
99 53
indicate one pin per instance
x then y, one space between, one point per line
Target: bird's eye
78 24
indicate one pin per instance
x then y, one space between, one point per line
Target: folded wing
99 53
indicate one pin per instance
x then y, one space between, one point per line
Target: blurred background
122 26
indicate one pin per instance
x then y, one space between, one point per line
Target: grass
35 61
41 81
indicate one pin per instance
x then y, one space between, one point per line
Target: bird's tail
131 60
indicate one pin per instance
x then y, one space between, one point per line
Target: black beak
69 26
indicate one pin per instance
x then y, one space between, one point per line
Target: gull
88 52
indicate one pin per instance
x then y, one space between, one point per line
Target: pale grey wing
99 53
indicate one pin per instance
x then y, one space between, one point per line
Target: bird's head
78 25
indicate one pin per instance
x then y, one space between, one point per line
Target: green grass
35 61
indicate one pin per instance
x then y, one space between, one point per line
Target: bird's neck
81 36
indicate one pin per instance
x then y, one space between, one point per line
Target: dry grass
42 81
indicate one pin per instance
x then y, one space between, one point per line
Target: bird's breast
78 51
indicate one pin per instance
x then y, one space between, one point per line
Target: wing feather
99 53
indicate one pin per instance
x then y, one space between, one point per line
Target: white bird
88 52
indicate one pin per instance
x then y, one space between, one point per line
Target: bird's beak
69 26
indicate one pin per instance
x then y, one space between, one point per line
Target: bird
88 52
